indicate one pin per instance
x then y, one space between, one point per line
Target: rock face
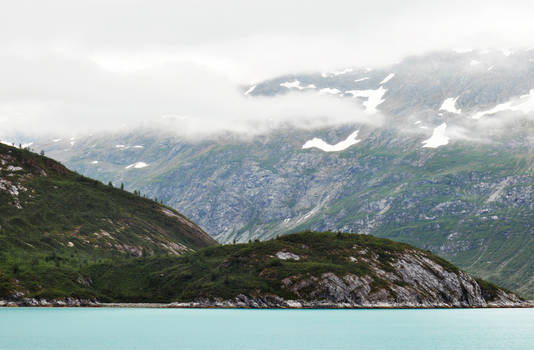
415 281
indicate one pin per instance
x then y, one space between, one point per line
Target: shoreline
287 305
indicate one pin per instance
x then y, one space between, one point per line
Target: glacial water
206 329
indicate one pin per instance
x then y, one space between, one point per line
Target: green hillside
55 222
308 266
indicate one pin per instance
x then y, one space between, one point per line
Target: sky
83 66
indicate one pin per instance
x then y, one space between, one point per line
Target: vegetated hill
307 269
54 222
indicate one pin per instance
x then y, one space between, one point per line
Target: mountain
55 222
449 169
308 269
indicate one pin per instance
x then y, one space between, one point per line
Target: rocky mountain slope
299 270
55 222
449 169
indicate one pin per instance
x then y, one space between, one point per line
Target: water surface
206 329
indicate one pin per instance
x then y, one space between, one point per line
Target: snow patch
388 78
296 85
524 104
94 162
250 90
138 165
438 137
336 72
474 63
120 146
138 146
449 105
326 147
374 98
56 140
329 91
361 79
417 122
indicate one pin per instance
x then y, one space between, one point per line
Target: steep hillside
306 269
54 222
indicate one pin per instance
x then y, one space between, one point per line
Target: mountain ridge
468 199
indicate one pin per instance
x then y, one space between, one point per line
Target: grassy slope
68 222
252 268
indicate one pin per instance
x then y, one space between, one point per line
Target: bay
225 329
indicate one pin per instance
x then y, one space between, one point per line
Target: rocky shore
266 302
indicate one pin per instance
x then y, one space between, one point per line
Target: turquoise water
162 329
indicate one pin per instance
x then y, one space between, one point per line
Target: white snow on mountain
250 90
94 162
56 140
361 79
524 104
138 146
296 85
137 165
330 91
336 72
120 146
449 105
474 63
374 98
326 147
438 137
388 78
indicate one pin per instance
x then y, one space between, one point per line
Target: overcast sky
71 66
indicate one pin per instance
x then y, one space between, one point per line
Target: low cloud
71 67
67 94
